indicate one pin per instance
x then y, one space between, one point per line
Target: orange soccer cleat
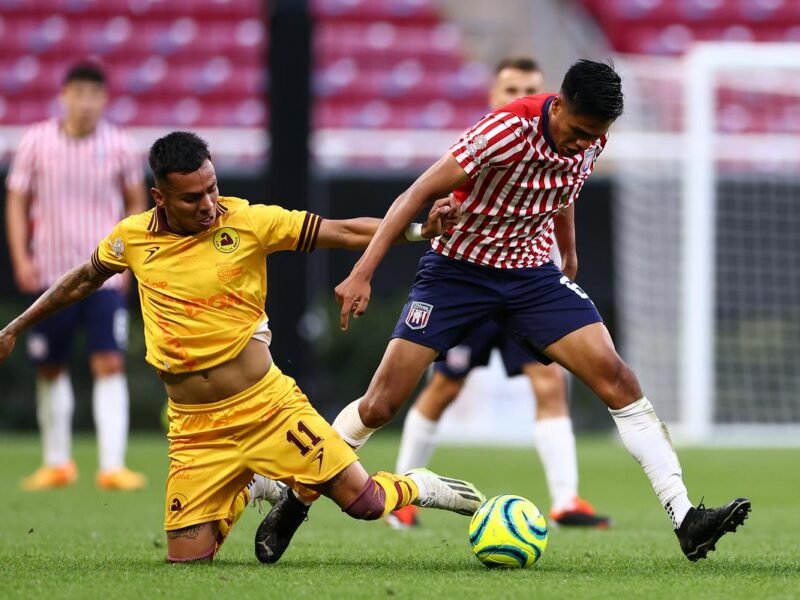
49 477
580 514
120 479
403 518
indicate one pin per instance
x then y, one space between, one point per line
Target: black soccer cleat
702 527
278 527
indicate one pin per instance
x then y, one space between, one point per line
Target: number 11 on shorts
293 438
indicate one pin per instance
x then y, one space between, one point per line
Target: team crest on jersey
177 503
478 143
588 159
418 315
226 240
117 247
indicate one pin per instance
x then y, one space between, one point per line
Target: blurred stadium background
686 234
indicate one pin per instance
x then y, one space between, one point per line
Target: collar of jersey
546 124
158 222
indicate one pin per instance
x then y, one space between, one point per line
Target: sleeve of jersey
20 175
281 229
494 141
109 257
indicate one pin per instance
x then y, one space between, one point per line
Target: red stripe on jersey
75 186
518 185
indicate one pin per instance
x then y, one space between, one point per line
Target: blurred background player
554 438
71 180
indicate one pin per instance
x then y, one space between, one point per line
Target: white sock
262 488
556 445
648 441
417 442
55 404
348 424
110 409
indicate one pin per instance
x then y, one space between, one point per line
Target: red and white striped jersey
519 183
76 192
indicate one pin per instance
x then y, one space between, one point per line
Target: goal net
707 239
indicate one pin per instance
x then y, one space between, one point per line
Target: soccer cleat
702 527
454 495
403 518
278 527
580 514
48 477
122 479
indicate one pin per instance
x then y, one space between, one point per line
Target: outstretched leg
401 368
589 353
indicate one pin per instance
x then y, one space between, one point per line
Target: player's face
189 199
84 102
573 133
510 84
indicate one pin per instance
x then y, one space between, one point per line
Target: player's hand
26 276
569 265
6 344
353 296
444 214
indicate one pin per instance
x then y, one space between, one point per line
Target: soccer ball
508 532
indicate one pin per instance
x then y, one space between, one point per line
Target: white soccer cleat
262 488
454 495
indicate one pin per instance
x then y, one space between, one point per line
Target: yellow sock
399 490
240 502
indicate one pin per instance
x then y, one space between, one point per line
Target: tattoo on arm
190 532
75 285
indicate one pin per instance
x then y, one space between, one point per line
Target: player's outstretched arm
565 236
356 234
437 182
75 285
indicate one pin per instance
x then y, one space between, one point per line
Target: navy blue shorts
450 298
104 316
476 349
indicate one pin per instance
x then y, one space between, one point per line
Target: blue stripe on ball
503 550
482 526
512 528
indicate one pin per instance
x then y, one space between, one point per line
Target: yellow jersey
203 295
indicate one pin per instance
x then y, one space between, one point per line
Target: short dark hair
593 89
177 152
85 71
521 63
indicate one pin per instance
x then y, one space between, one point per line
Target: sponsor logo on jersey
418 315
228 272
226 240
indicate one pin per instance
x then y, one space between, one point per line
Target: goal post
712 323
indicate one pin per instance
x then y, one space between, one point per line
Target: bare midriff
222 381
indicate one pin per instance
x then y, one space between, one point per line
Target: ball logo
228 273
226 240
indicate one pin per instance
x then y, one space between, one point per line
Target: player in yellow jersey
200 262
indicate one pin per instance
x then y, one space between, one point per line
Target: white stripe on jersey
519 184
76 192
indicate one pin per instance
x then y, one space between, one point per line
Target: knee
193 543
445 389
619 386
50 371
370 503
105 364
378 407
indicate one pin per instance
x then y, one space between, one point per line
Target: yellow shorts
270 428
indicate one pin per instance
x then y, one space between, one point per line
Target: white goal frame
697 363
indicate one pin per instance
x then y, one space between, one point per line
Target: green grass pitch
84 543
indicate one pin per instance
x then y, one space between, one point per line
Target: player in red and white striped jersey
553 435
72 180
515 171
